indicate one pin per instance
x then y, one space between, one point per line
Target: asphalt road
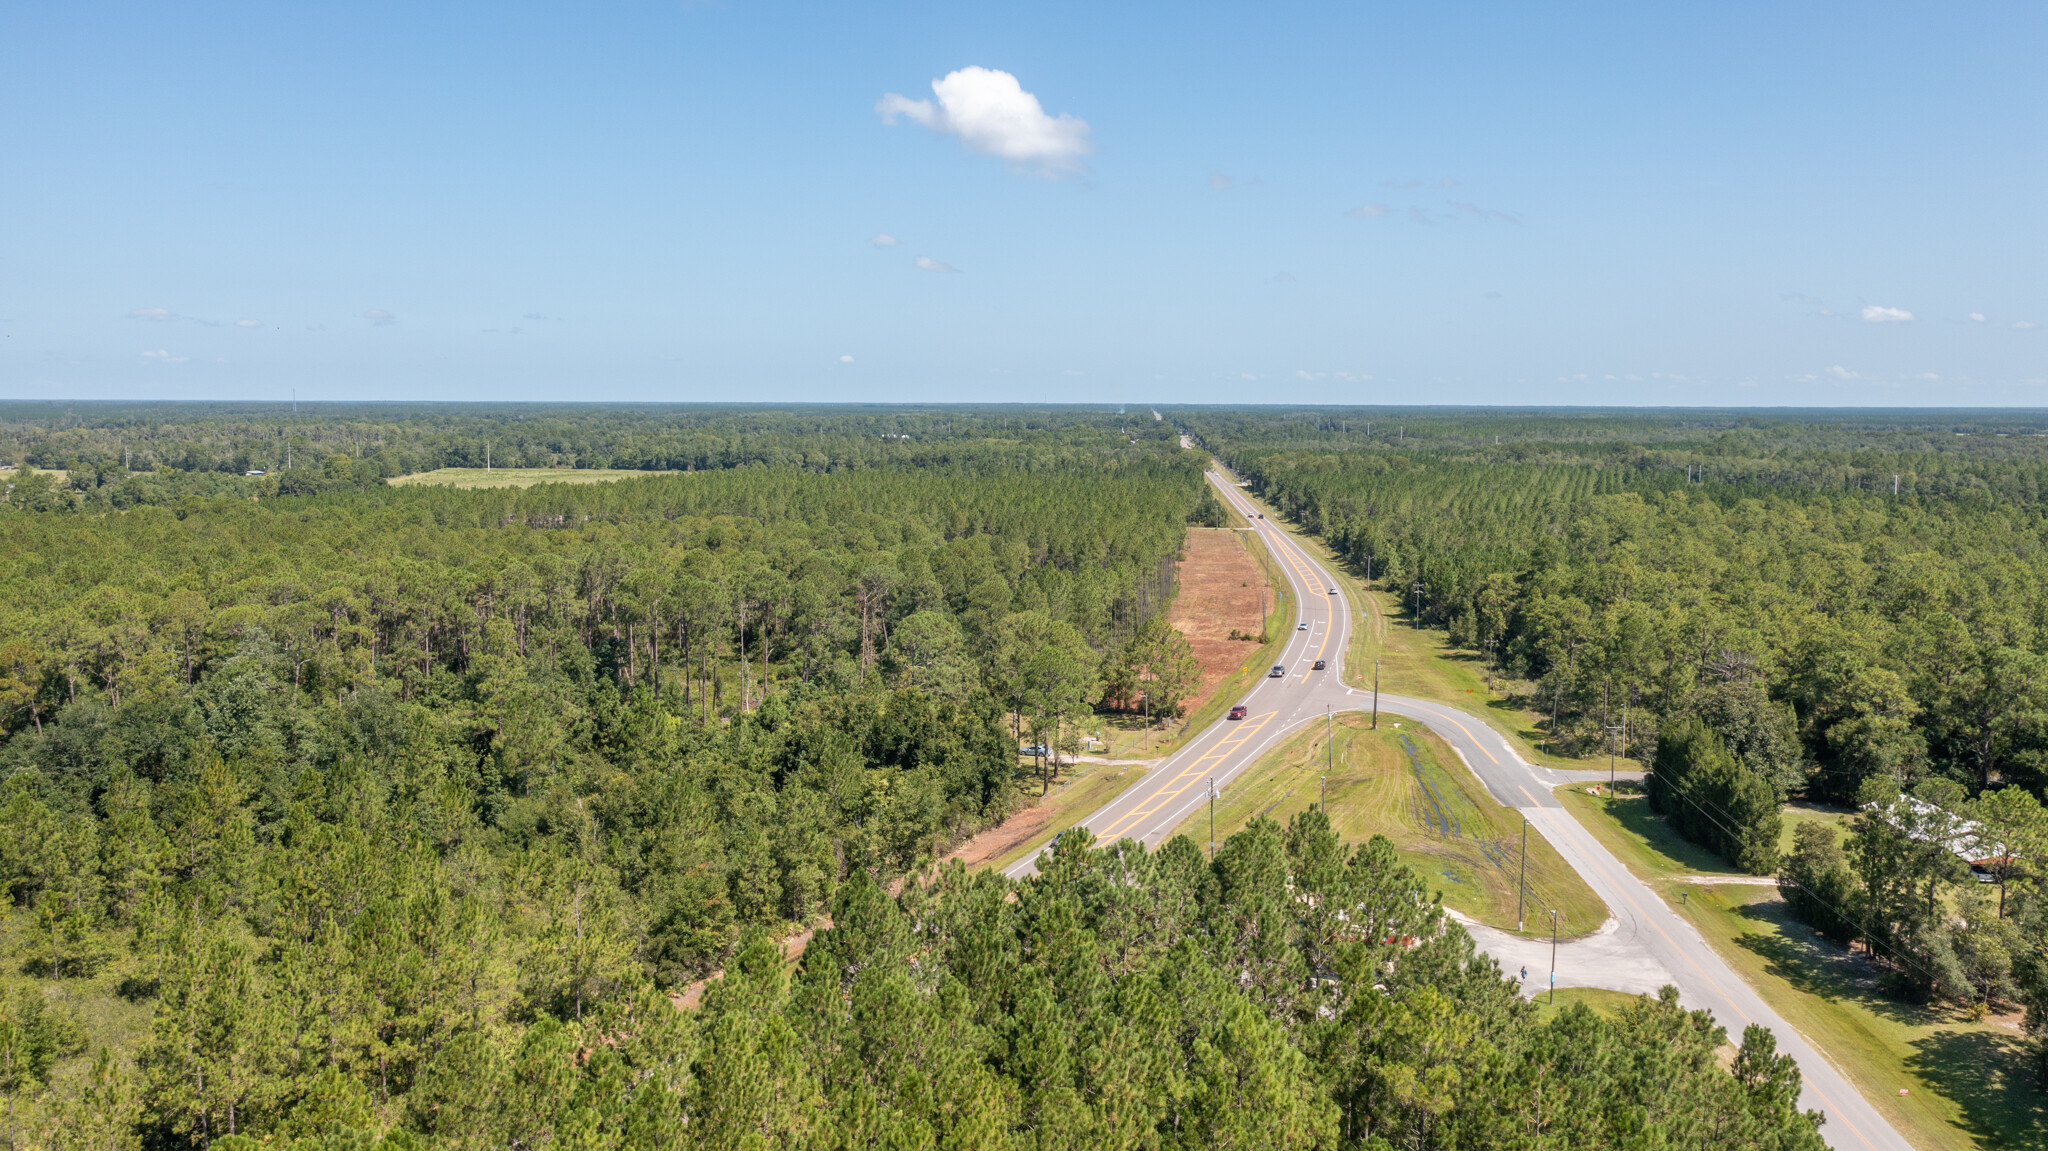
1645 936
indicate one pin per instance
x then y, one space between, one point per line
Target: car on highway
1236 712
1301 627
1333 591
1278 672
1319 665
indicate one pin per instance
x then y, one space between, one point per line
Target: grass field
1967 1083
1600 999
519 477
1404 783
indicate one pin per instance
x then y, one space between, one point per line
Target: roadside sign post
1553 957
1375 695
1522 889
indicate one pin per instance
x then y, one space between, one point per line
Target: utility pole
1212 819
1375 695
1895 484
1522 891
1553 957
487 457
1418 605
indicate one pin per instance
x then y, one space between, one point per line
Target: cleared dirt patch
1219 593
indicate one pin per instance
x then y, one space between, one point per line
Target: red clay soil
792 950
1219 592
991 844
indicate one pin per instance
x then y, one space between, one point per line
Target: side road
1645 936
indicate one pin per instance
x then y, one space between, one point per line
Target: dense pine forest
338 812
1847 608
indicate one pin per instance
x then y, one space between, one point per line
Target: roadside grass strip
1964 1081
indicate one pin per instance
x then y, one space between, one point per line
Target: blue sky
1743 204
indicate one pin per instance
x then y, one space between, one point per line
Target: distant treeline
103 443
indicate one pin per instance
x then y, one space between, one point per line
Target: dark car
1237 712
1319 665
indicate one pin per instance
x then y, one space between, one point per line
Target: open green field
1404 783
519 477
1964 1081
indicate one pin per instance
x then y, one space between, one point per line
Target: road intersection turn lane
1278 706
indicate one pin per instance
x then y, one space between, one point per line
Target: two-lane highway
1277 706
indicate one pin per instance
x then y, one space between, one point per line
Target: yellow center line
1186 779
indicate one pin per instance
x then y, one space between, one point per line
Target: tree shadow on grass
1800 956
1634 815
1988 1076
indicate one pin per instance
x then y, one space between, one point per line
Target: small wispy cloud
161 356
989 112
928 264
2025 325
846 359
1220 182
1072 372
1841 373
248 323
1473 211
1878 314
380 317
885 240
1976 317
537 317
1246 376
160 315
1369 212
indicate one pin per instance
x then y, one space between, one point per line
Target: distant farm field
520 477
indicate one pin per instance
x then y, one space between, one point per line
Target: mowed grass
1967 1084
1441 821
1600 999
519 477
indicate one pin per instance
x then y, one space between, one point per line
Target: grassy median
1406 784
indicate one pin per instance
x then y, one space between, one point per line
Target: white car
1301 627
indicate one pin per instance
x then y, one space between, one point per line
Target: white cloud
2025 325
1876 314
989 112
161 357
931 265
846 359
1842 373
1305 374
1220 182
885 240
248 323
1246 376
1930 377
380 317
1369 211
160 315
1467 208
1977 317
